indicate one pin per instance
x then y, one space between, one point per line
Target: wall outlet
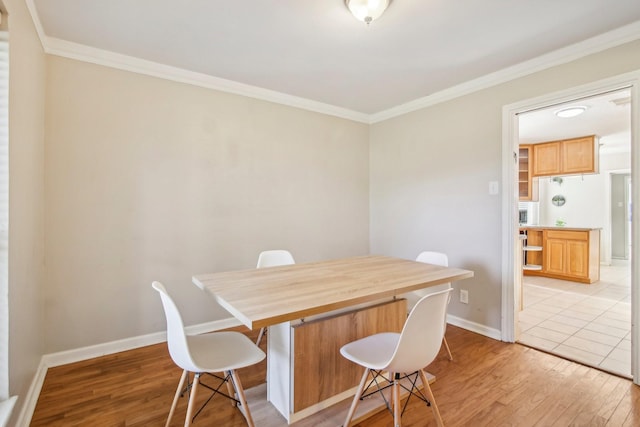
464 296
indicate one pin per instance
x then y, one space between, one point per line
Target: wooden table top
266 296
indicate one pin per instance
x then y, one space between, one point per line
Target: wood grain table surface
266 296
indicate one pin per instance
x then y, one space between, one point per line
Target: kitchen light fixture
367 10
572 111
625 100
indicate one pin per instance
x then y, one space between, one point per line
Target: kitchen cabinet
547 159
532 250
568 254
565 157
527 186
579 155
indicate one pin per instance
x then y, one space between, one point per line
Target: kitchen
575 227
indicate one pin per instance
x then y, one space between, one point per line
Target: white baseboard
70 356
84 353
31 399
474 327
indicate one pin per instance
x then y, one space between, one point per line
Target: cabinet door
577 255
555 256
578 155
546 159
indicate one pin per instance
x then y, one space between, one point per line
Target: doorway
511 253
587 323
620 215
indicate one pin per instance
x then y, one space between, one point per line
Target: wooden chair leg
192 400
356 398
243 401
397 413
446 346
176 397
230 389
427 388
260 335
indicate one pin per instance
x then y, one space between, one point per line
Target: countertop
555 227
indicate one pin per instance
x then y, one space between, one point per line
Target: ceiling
315 50
608 116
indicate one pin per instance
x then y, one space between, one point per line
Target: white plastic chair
403 355
435 258
273 258
207 353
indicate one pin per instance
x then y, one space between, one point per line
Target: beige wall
26 198
430 173
148 179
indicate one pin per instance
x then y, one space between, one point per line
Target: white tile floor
590 324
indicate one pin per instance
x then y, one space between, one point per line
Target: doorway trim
608 216
510 198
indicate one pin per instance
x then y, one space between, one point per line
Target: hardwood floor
489 383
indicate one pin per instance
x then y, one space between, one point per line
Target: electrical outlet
464 296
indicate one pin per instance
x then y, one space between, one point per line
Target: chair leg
177 396
192 400
243 401
397 413
446 346
427 389
260 335
230 389
356 398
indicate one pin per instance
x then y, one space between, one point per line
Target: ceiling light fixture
367 10
572 111
622 101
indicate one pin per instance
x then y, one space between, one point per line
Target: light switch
493 188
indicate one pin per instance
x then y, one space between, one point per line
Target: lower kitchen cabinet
570 254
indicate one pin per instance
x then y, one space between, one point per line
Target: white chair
435 258
273 258
207 353
402 355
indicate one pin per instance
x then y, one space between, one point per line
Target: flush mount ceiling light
572 111
367 10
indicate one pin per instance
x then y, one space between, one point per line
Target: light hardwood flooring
489 383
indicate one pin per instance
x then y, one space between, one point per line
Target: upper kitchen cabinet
579 155
565 157
547 159
527 186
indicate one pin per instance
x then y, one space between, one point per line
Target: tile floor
590 324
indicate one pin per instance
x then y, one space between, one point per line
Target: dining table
312 309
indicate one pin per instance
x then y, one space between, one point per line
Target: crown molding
106 58
59 47
596 44
31 7
85 53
